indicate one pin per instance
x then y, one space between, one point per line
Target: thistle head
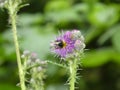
35 68
3 3
69 44
13 5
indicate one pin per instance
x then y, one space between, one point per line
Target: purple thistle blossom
68 44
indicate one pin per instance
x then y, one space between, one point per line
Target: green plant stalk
57 64
21 73
14 30
73 71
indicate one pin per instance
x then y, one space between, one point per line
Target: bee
59 44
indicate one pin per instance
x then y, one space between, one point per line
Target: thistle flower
2 3
35 69
68 44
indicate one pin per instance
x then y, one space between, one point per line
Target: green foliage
110 33
39 39
9 87
101 14
116 39
100 57
56 6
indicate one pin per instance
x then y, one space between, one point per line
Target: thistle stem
73 71
57 64
21 73
14 31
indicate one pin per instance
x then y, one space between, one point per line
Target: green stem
73 71
21 73
14 30
57 64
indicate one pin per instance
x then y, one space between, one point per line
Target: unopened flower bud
39 68
43 62
37 60
22 56
32 80
26 53
33 56
29 62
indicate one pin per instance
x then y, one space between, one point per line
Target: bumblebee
60 44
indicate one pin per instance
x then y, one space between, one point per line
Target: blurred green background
38 25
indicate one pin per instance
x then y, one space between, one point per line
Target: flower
3 2
68 44
35 68
15 3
